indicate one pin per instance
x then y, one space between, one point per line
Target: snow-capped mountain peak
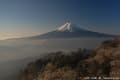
68 27
69 30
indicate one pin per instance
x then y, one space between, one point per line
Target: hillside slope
104 61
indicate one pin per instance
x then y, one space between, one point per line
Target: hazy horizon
16 54
26 18
21 18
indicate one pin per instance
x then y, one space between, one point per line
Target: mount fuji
69 30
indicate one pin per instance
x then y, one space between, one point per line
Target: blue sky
30 17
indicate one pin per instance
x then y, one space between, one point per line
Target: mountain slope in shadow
69 30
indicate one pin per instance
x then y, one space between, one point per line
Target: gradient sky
19 18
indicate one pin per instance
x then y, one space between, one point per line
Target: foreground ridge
104 61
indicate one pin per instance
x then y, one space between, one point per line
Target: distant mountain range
69 30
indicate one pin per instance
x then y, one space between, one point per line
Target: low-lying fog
15 54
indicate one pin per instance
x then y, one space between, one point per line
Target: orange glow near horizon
10 36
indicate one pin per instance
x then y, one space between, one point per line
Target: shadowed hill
103 61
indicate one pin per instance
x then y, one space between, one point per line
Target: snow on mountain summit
69 30
68 27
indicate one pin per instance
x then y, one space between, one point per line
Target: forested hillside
104 61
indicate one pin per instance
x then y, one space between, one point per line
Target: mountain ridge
102 62
69 30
